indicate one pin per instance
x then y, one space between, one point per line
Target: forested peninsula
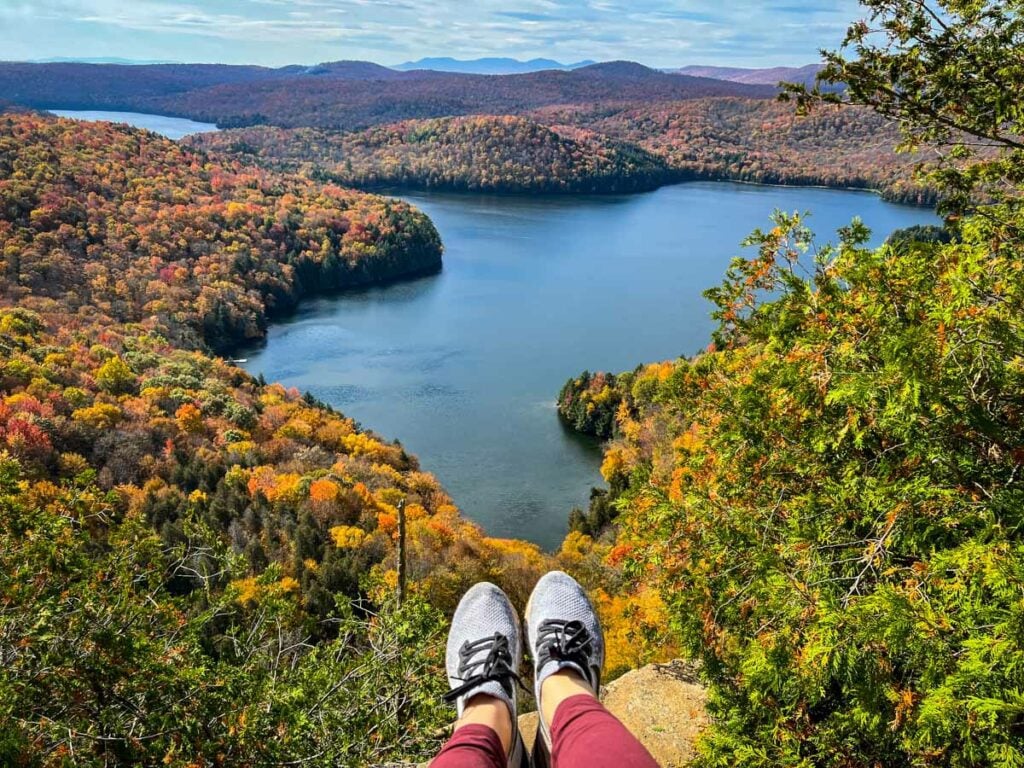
487 154
115 225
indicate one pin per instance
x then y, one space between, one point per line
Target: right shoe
562 632
484 650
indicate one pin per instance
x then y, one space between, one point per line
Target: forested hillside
764 141
73 85
115 225
506 154
351 104
340 95
194 562
601 149
827 500
828 497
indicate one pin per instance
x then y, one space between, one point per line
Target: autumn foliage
480 153
109 225
763 141
827 501
620 147
193 562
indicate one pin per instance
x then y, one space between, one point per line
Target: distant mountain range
493 65
345 95
366 70
488 66
769 76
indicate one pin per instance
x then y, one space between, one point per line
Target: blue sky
275 32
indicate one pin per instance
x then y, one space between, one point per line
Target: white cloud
655 32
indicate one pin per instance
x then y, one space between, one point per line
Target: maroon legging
583 735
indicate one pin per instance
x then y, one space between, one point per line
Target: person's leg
482 738
583 733
567 646
483 653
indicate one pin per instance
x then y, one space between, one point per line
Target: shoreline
278 315
397 190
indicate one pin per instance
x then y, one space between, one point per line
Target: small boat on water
240 360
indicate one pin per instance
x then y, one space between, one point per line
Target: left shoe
484 649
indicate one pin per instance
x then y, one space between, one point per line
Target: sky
659 33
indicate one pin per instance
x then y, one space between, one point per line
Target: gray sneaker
563 632
484 650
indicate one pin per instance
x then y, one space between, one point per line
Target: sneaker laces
570 641
496 666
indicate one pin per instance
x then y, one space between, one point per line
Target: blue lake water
464 367
171 127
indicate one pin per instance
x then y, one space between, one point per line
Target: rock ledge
663 704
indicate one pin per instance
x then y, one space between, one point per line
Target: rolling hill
767 76
480 153
605 148
348 104
761 141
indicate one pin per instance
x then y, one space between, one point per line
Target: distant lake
171 127
464 367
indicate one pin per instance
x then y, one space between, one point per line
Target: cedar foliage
829 497
829 503
950 74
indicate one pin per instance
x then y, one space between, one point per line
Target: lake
171 127
464 367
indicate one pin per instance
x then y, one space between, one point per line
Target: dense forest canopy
765 142
506 154
620 148
112 223
194 563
